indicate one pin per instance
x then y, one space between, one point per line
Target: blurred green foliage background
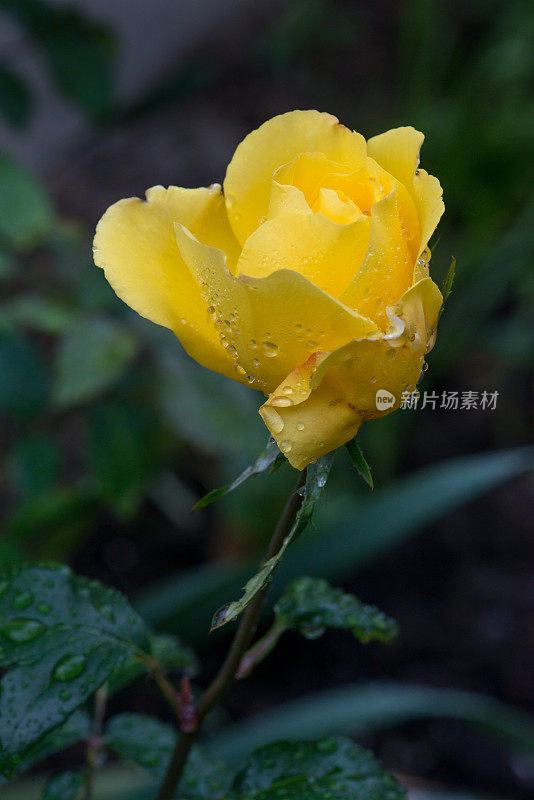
110 433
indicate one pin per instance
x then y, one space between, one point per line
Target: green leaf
266 460
446 286
204 778
80 52
310 605
169 652
359 462
24 385
76 729
364 708
327 769
15 97
90 359
63 786
26 214
316 478
61 637
142 740
172 654
150 743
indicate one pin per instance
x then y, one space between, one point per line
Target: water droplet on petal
270 349
272 419
281 402
286 446
300 426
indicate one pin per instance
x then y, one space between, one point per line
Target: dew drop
286 446
287 390
21 631
270 349
281 402
300 426
69 667
22 600
272 419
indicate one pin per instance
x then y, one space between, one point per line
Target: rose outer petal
397 151
321 404
136 247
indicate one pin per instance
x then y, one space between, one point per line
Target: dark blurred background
109 432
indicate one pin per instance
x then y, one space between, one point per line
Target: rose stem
240 643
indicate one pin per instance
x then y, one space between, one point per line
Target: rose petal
269 324
331 394
136 247
387 270
247 186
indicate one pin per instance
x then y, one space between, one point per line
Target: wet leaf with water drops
149 743
311 605
327 769
61 638
75 729
63 786
265 461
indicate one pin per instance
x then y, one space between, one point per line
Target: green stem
259 650
94 743
230 666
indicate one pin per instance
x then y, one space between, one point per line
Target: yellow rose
308 279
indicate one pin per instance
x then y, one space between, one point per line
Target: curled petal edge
322 403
